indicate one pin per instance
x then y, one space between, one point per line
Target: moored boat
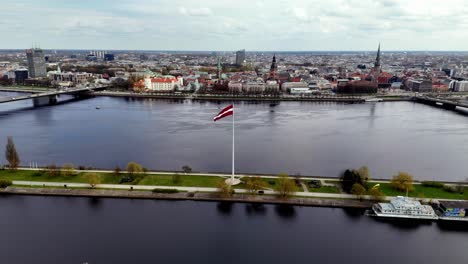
404 208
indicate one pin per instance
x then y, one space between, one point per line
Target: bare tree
11 154
285 186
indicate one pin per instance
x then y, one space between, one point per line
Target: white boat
374 100
404 208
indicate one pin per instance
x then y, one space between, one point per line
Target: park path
189 189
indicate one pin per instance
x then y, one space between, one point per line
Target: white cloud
254 25
202 11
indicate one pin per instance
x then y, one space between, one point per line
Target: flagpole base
233 182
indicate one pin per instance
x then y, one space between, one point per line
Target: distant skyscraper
240 57
109 57
36 63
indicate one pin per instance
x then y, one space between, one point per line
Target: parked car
315 184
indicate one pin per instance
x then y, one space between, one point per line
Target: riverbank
191 196
345 99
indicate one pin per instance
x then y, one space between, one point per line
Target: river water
90 230
304 138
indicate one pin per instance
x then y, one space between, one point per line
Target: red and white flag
225 112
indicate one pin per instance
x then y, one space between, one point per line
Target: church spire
377 60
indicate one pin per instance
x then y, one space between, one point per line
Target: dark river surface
89 230
303 138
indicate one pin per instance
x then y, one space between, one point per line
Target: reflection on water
285 211
255 209
225 208
354 213
95 202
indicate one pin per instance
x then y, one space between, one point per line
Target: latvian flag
225 112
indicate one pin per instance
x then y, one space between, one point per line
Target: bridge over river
447 103
50 97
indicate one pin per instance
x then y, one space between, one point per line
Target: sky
220 25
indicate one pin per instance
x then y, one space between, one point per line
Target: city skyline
298 25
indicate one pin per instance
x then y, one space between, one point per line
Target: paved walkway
190 189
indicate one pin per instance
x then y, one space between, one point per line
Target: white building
287 86
235 87
459 86
165 83
253 87
272 86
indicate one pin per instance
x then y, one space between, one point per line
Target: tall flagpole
233 113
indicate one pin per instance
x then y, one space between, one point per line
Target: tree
187 169
376 194
350 177
134 168
403 181
224 189
117 170
68 169
358 190
285 186
5 182
93 179
11 154
53 171
364 174
254 184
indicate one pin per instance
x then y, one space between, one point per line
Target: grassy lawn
185 180
422 192
324 189
23 175
271 184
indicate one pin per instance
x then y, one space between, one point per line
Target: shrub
272 182
126 179
432 184
454 188
377 194
68 170
38 173
4 182
165 190
53 170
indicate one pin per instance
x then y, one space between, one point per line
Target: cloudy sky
271 25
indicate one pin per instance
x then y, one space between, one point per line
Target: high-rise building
36 63
240 57
109 57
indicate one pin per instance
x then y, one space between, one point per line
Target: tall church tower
377 60
377 70
274 69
